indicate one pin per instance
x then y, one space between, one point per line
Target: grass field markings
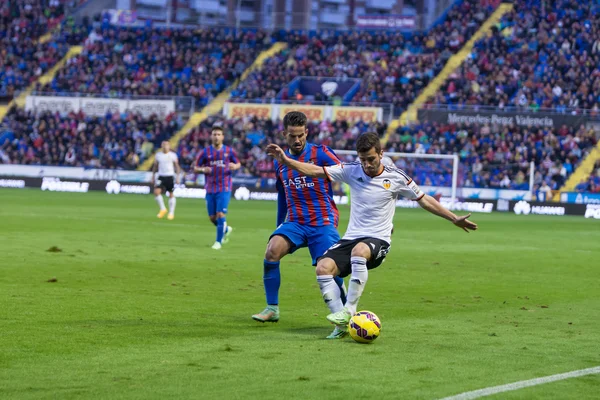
475 394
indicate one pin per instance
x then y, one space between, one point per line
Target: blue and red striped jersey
309 200
219 179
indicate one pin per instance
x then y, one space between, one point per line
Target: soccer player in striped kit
217 162
307 215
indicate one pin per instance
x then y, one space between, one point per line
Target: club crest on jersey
387 184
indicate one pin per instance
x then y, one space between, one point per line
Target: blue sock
340 282
272 280
220 228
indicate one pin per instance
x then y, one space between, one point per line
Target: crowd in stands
592 183
494 156
542 55
393 67
22 58
490 156
248 136
120 61
115 141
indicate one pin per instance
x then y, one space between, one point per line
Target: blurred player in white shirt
167 163
374 190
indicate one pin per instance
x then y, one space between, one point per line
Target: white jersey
373 200
387 162
166 166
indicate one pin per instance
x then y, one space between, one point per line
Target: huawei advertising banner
524 207
525 119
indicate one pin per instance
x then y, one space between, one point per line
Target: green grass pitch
138 308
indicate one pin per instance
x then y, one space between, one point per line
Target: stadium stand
393 67
542 55
23 58
561 43
118 61
499 157
114 141
247 136
491 156
592 183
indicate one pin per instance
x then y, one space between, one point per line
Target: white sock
358 279
331 292
161 202
172 203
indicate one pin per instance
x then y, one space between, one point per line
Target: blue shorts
317 238
217 202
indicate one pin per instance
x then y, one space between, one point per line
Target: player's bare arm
433 206
178 173
234 166
154 168
305 169
202 170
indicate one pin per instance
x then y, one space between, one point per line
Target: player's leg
172 200
350 257
327 270
319 241
223 208
222 200
360 274
277 248
286 239
160 201
211 208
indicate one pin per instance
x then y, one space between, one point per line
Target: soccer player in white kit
374 190
167 163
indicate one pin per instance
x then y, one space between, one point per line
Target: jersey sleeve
281 203
407 187
326 156
201 159
281 200
233 157
337 173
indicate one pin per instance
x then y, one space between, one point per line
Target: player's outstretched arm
305 169
433 206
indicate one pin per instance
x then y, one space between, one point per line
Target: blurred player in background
312 216
168 171
365 244
217 162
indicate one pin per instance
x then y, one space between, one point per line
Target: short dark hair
217 128
294 118
367 141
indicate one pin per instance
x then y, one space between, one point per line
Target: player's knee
220 215
326 266
157 192
277 248
213 218
361 250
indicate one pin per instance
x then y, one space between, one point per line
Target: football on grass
364 327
